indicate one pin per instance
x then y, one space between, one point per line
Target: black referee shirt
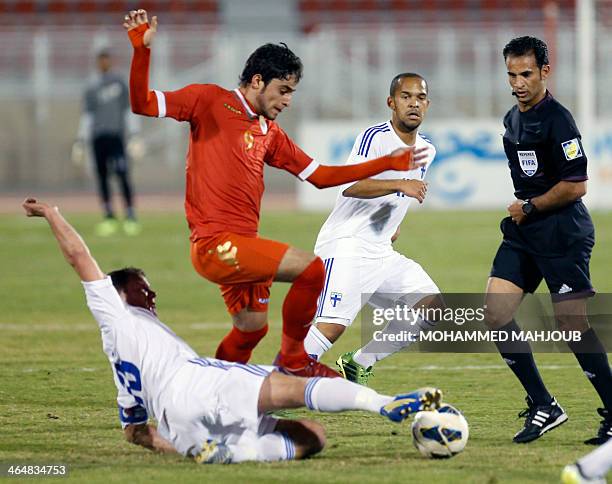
543 147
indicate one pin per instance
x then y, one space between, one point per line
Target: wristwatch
528 208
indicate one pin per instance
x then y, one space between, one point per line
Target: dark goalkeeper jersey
107 100
544 147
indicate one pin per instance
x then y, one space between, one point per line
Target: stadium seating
315 13
63 12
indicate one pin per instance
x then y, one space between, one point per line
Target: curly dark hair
397 81
528 45
121 277
272 61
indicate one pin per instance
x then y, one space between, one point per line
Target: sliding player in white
356 240
210 410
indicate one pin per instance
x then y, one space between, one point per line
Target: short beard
268 116
264 111
404 128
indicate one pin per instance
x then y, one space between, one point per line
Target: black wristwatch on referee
529 208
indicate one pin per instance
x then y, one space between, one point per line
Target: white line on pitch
465 367
383 368
63 370
206 326
58 327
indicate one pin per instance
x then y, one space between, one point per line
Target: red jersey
228 147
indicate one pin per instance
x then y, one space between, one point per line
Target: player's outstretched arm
374 188
148 437
403 159
73 247
141 35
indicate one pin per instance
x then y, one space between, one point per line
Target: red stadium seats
383 12
312 12
62 12
57 6
86 6
27 6
113 6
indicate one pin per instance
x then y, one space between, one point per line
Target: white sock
374 351
597 463
339 395
269 447
316 343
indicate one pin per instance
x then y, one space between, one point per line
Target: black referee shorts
566 274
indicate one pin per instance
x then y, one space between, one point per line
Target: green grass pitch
57 394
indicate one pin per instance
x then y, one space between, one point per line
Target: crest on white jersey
528 161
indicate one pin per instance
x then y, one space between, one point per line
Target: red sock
238 345
299 308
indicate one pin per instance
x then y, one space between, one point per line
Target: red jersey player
233 134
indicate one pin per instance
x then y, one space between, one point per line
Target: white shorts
351 282
217 400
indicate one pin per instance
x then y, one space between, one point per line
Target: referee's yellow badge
571 149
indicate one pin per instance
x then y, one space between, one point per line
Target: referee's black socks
593 360
519 357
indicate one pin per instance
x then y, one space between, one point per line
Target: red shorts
244 268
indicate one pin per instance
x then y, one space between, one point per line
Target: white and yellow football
440 433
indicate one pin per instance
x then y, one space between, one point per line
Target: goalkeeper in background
105 120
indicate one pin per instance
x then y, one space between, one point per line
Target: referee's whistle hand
515 209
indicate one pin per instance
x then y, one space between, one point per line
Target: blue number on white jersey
129 376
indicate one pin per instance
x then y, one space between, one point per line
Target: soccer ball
440 433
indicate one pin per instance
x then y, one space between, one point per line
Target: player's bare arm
403 159
560 195
141 34
72 245
147 436
373 188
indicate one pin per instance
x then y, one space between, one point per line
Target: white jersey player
207 409
355 241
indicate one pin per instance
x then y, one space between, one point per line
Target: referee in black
548 235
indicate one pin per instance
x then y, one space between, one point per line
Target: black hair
528 45
103 53
397 80
272 61
121 277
